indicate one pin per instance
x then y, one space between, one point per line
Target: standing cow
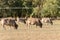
9 22
34 21
47 20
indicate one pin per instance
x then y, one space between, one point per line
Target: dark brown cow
9 22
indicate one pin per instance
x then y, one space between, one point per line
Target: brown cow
34 21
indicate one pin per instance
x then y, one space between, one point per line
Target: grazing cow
34 21
9 22
47 20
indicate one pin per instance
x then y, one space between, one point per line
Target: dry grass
47 32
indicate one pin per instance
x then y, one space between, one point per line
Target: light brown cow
34 21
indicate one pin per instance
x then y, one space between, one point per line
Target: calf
34 21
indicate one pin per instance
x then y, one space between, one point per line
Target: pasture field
47 32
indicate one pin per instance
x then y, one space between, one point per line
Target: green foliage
35 8
49 8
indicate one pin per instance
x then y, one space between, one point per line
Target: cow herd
28 21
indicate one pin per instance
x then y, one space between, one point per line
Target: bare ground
47 32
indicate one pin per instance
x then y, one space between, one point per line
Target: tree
49 8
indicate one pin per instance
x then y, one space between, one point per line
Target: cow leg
36 25
4 27
10 27
16 26
28 25
51 23
40 24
